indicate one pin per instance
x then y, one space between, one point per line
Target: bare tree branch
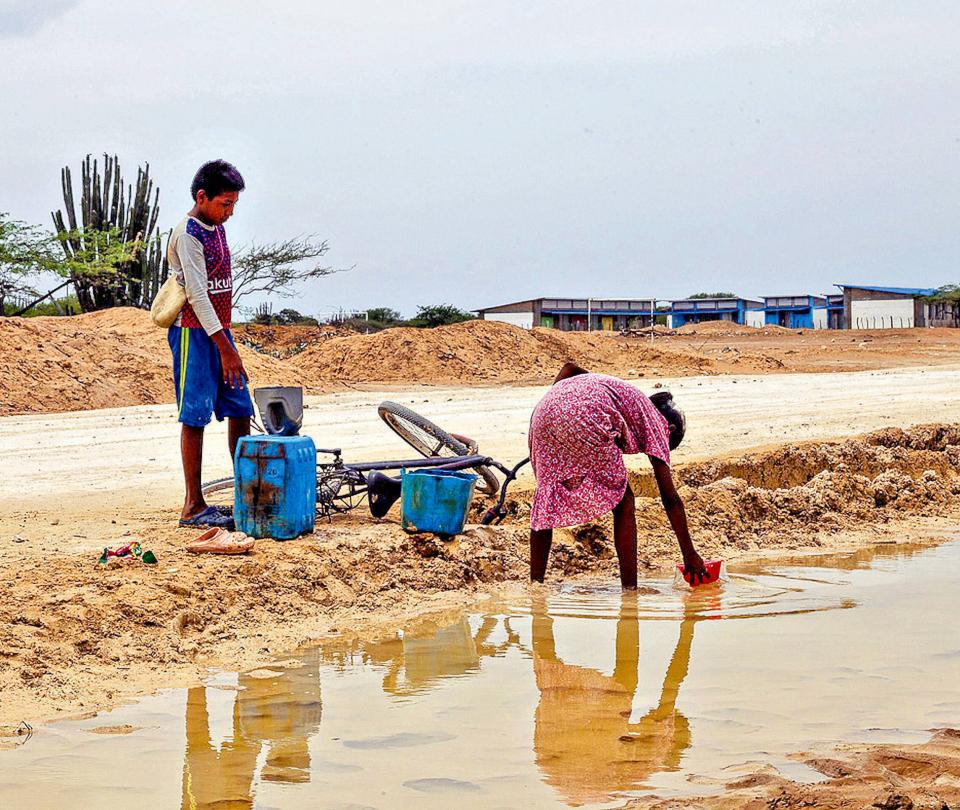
278 267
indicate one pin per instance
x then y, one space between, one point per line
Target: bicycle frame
437 462
494 515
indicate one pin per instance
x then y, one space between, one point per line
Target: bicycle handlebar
496 514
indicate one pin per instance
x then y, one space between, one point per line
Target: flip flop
209 517
218 541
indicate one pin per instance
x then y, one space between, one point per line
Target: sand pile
888 777
796 495
798 491
117 357
99 360
730 329
282 342
484 351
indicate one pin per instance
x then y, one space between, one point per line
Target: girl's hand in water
694 569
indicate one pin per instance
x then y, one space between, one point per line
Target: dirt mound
790 496
117 357
99 360
888 777
730 329
799 490
486 351
282 342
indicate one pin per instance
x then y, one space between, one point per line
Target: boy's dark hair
216 177
663 402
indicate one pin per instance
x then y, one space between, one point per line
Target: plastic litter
716 571
131 551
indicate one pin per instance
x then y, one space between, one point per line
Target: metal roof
598 298
733 299
894 290
721 298
508 304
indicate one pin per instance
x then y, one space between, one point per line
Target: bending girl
579 433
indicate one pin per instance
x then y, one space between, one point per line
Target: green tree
948 294
290 317
117 223
26 251
97 258
440 315
384 315
712 295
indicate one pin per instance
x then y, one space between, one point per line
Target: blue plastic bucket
435 500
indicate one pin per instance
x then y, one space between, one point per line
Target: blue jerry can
275 494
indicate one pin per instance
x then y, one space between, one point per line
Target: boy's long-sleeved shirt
199 255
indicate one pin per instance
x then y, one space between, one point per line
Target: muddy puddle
579 698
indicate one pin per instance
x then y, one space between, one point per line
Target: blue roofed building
699 310
796 311
835 319
575 314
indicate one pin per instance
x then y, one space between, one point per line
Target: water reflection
852 560
585 743
419 658
274 711
588 743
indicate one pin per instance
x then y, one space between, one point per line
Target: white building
869 307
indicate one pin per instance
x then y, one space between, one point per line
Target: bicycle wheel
429 439
218 493
338 491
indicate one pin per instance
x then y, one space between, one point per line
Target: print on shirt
216 254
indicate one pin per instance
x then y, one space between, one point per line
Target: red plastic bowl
713 571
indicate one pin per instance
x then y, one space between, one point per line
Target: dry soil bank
886 777
74 636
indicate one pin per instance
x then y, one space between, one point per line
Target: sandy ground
887 777
84 465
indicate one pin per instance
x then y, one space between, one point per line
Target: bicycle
343 486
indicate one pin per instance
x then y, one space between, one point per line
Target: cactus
130 217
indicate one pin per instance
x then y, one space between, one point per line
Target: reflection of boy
208 374
279 713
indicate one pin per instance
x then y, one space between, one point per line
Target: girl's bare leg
625 538
540 541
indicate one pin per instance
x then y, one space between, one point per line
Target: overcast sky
483 152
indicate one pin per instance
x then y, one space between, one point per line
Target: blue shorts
198 379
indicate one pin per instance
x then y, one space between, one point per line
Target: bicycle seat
382 493
281 409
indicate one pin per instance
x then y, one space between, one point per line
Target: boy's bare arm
234 374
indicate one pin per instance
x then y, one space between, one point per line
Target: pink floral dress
579 432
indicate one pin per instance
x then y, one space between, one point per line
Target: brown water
583 698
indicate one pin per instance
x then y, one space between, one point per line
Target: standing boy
208 374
